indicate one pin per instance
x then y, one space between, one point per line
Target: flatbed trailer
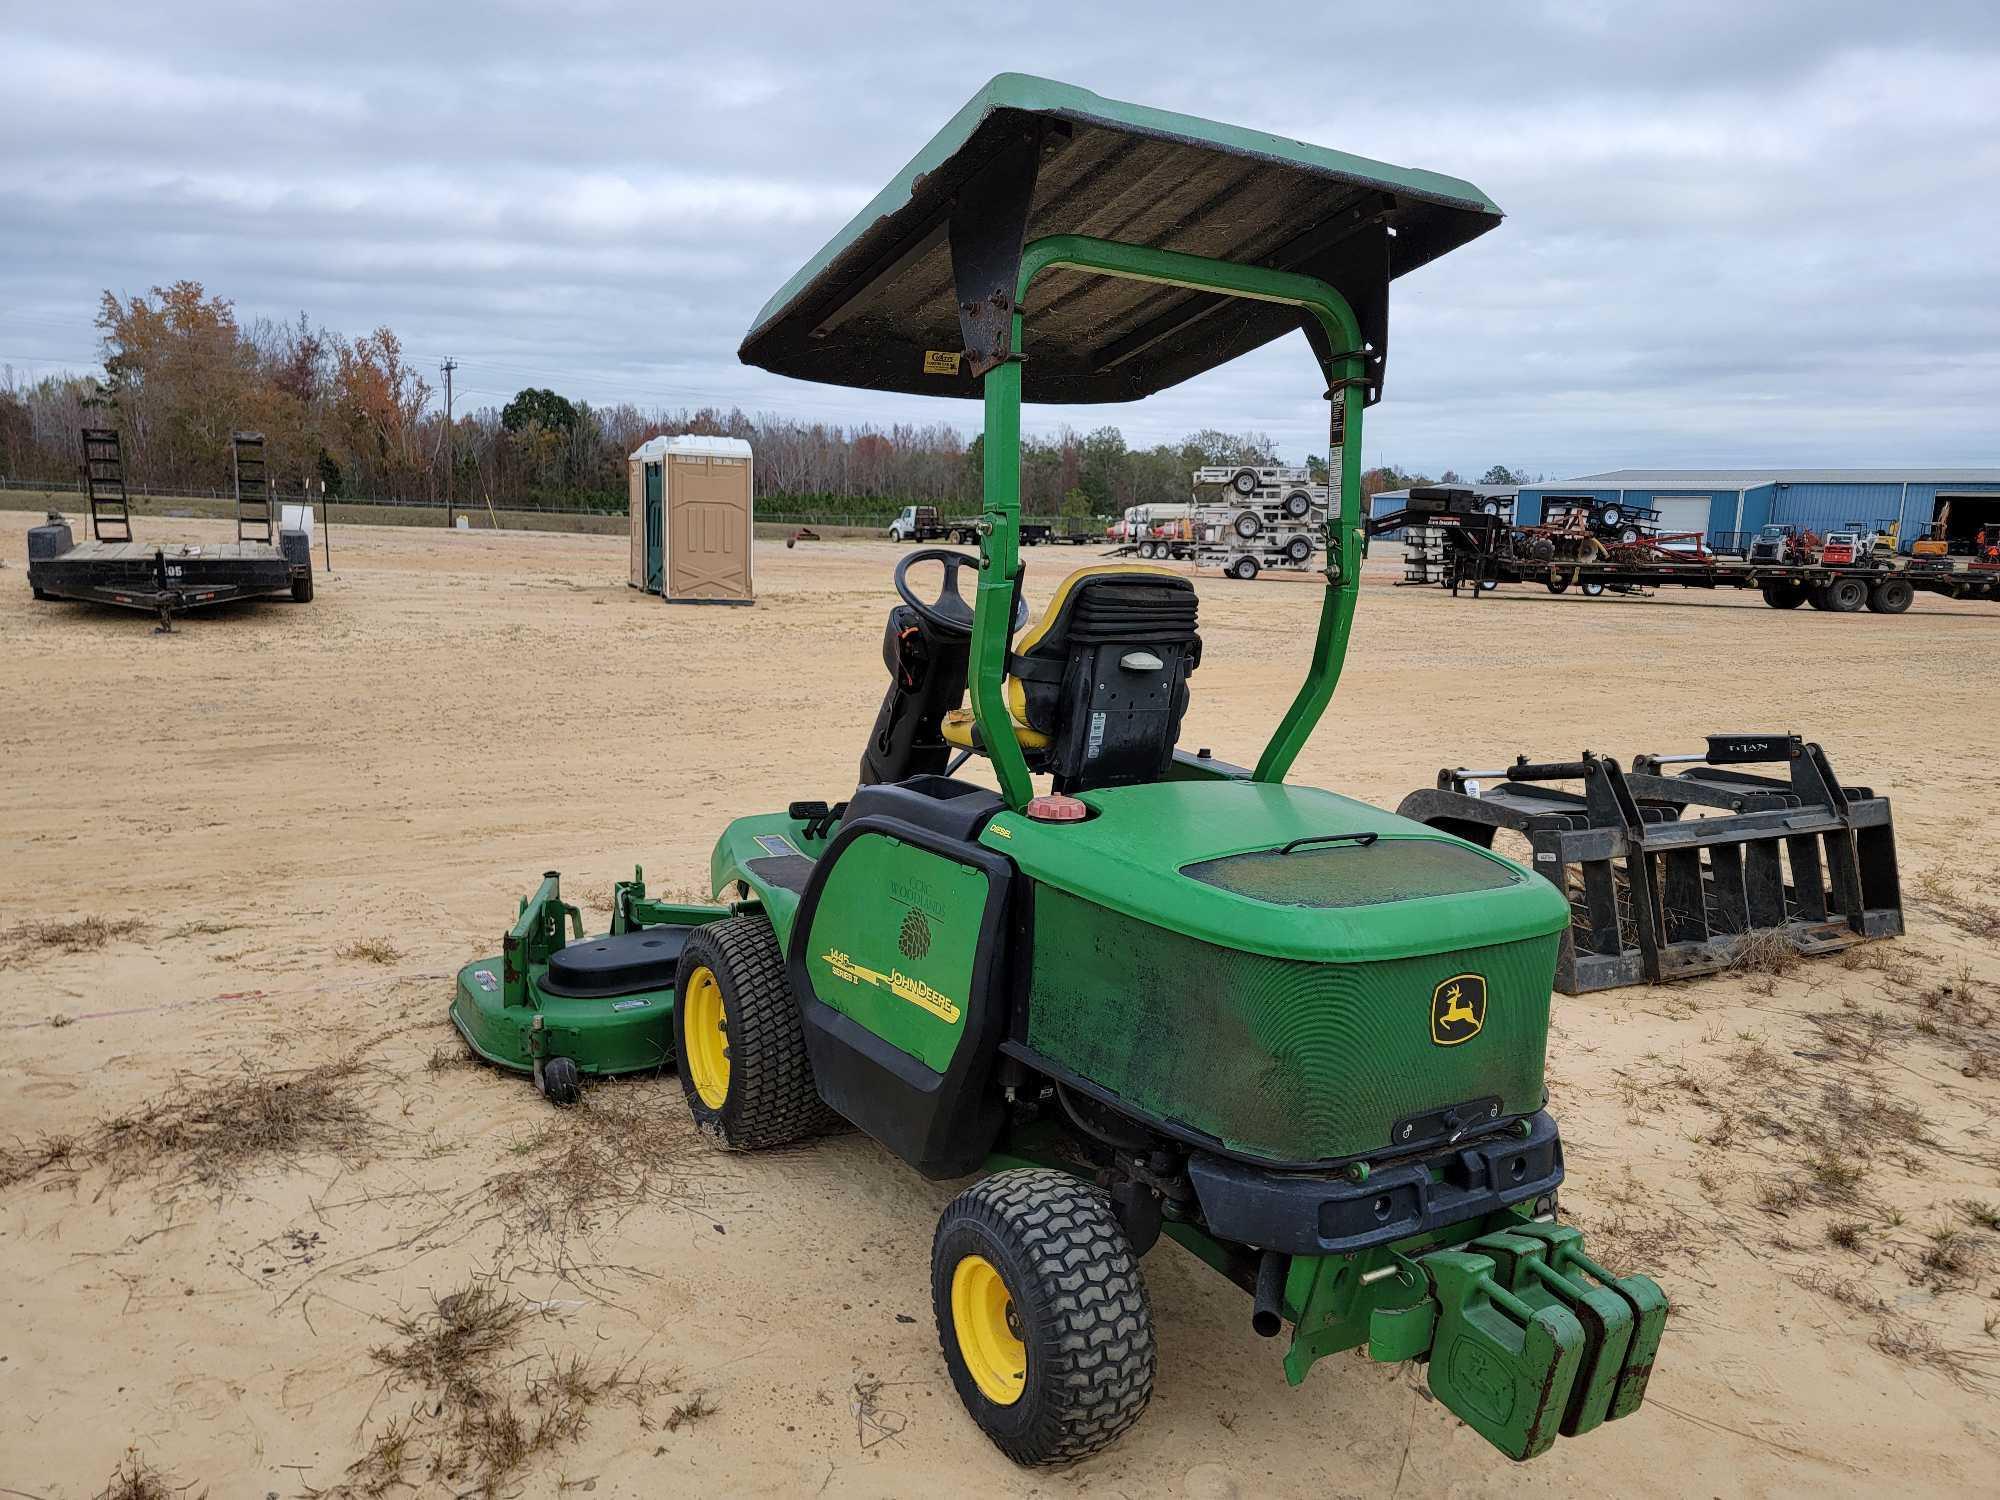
1882 588
166 580
1480 553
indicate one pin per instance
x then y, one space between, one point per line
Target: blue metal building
1727 503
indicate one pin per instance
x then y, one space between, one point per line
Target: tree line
181 375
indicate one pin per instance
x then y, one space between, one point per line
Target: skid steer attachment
1671 873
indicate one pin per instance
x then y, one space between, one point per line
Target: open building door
655 534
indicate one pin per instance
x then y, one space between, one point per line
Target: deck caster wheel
562 1083
1042 1315
742 1050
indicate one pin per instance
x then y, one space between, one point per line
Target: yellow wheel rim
983 1319
705 1037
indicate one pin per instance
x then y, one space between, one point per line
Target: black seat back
1105 676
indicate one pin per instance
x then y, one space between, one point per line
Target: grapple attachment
1672 872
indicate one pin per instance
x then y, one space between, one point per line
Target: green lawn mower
1163 995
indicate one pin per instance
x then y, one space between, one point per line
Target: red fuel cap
1056 808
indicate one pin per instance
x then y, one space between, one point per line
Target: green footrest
1504 1368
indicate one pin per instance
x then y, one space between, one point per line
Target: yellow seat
957 725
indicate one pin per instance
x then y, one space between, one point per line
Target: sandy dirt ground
295 823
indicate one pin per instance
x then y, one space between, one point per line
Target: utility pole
450 447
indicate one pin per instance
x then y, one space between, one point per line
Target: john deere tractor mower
1143 992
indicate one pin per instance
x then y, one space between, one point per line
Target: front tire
1042 1315
302 589
738 1036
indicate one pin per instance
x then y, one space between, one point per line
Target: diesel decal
897 983
1458 1009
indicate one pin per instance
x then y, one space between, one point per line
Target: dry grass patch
209 1131
26 941
585 1170
1971 916
482 1415
369 950
135 1479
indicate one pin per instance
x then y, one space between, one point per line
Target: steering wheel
948 613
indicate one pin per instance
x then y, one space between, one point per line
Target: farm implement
1144 993
1671 873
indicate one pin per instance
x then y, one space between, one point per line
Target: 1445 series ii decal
896 983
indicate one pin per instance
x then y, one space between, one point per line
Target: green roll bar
1000 536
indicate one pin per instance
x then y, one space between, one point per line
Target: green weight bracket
1502 1367
1640 1293
1520 1264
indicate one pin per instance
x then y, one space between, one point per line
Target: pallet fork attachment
1671 873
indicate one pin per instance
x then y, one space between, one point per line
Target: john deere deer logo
1458 1009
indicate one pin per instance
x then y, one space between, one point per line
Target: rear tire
1299 504
302 589
1891 596
1594 589
1558 584
1846 595
1247 524
753 1086
1244 481
1042 1315
1816 596
1783 595
1299 549
1244 568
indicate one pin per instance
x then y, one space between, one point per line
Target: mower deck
599 1005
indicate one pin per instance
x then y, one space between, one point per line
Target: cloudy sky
1737 233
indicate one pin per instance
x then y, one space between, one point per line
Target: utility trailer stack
112 568
1272 517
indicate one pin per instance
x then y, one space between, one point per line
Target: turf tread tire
772 1098
1077 1287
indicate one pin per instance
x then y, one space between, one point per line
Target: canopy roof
1027 158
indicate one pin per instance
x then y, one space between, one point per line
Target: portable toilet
692 520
